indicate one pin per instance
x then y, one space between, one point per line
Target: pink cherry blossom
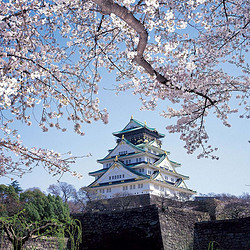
51 53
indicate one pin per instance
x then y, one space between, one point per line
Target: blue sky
230 174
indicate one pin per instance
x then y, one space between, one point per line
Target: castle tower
138 165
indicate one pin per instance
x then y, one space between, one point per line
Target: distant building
138 165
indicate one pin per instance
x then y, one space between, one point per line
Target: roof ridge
142 125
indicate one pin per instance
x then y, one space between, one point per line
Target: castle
138 165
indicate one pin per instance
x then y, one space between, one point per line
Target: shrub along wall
225 234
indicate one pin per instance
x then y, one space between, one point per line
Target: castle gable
166 164
132 124
124 148
116 173
158 176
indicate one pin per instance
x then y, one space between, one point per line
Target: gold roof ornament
132 117
122 137
165 152
116 158
145 123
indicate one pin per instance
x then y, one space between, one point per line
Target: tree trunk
17 244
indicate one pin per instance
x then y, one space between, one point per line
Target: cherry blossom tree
51 53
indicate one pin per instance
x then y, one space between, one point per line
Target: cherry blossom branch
225 9
234 35
108 7
50 160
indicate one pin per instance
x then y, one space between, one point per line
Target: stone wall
225 234
135 229
45 243
140 228
177 227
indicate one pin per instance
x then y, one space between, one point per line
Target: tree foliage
38 206
16 186
51 53
9 201
19 230
33 214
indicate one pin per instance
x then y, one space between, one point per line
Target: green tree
15 184
38 206
9 201
19 230
38 215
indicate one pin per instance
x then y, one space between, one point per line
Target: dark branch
108 7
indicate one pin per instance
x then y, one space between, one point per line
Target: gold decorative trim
138 178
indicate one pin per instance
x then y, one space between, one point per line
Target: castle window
128 161
172 179
108 190
140 185
166 178
138 159
125 188
123 152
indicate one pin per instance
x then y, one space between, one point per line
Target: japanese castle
138 165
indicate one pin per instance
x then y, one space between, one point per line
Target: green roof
115 182
175 163
98 171
141 125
